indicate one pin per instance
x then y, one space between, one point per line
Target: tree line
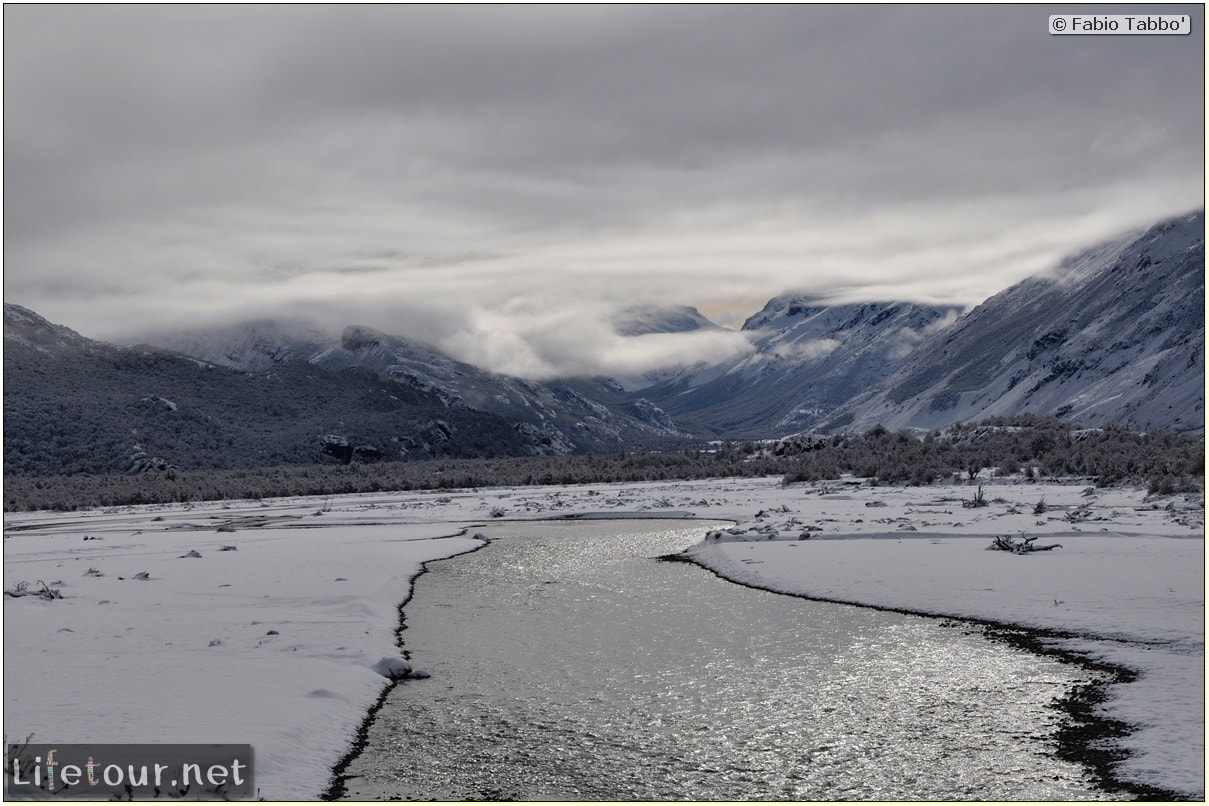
1031 446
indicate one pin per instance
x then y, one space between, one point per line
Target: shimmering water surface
568 664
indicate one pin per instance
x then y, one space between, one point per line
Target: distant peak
642 319
784 306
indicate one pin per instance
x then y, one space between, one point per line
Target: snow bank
275 643
1129 578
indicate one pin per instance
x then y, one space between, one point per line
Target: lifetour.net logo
129 771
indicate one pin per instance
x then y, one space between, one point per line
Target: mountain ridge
74 405
1112 335
807 358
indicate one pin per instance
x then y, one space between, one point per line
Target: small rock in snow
398 669
393 668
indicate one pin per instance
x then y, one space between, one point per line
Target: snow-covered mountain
75 405
249 346
568 415
1113 335
653 319
807 358
640 320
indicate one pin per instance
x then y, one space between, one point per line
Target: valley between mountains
1112 336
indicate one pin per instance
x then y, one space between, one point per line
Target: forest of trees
1032 446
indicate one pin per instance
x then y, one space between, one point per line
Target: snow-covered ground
275 642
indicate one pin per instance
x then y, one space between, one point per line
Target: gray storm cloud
499 180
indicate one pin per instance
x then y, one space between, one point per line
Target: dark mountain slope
570 416
73 405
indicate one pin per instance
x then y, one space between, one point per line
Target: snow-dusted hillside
250 346
564 416
74 405
25 329
807 358
1113 335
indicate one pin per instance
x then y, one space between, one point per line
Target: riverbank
1124 595
273 642
1089 737
270 642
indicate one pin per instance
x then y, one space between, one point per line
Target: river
568 663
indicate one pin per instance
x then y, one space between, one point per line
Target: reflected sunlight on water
567 664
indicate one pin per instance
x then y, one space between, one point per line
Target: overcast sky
496 180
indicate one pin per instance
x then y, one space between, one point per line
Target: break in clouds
500 181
